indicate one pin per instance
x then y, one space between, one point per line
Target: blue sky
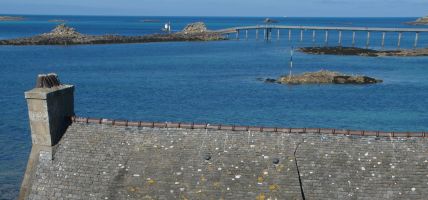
296 8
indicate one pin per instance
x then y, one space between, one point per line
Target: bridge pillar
227 35
416 40
257 34
383 39
278 36
399 39
301 35
289 34
237 34
265 33
313 37
246 34
340 38
353 38
268 33
368 40
326 38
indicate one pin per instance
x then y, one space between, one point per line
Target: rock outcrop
198 27
270 21
150 20
64 35
352 51
63 31
355 80
57 20
420 21
323 77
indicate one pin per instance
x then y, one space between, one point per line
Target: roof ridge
193 125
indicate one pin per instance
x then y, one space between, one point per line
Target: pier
267 30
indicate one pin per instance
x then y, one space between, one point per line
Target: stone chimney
50 106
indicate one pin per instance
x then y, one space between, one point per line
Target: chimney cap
47 80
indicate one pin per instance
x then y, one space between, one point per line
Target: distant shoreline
11 18
188 16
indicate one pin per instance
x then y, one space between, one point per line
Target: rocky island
197 27
11 18
64 35
57 20
420 21
353 51
323 77
150 20
270 21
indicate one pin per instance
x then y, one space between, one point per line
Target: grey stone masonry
50 106
98 161
49 110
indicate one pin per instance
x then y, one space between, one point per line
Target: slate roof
99 161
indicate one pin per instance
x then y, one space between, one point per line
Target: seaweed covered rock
355 80
348 51
354 51
324 77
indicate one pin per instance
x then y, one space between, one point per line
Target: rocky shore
352 51
64 35
323 77
11 18
420 21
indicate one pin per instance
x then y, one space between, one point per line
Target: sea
209 82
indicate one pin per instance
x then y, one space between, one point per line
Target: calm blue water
211 82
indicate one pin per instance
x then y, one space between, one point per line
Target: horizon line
244 16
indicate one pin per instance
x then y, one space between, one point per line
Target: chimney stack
50 106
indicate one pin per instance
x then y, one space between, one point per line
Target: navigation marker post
291 62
